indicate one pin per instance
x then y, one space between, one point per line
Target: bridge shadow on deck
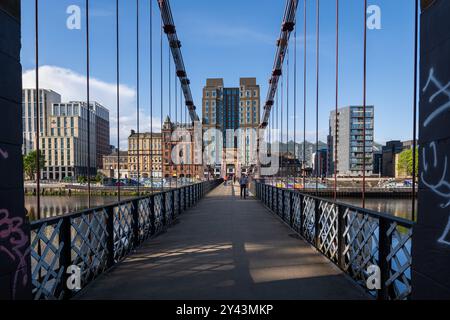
225 248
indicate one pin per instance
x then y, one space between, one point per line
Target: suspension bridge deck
225 248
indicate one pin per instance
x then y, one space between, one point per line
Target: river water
52 206
55 206
401 208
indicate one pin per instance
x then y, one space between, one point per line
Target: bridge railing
95 239
355 239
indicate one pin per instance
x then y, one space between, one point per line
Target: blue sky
229 39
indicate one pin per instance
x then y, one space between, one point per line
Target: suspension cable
295 107
37 114
162 103
169 98
176 125
336 104
414 161
151 96
118 98
277 136
138 99
169 81
316 160
287 119
364 106
282 125
168 25
304 96
88 106
182 115
282 43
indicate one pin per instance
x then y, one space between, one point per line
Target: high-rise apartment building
232 109
65 146
149 155
249 103
350 139
46 98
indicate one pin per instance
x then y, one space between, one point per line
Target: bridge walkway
225 248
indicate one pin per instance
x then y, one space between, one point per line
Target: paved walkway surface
225 248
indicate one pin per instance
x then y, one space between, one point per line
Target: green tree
81 179
30 164
405 162
99 178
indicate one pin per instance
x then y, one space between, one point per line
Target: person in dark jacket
243 183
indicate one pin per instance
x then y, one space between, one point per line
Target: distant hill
310 149
297 148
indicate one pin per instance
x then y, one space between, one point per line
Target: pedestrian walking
243 183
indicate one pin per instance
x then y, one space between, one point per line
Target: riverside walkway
225 248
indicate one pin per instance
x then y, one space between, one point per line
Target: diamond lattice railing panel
182 198
145 220
176 202
89 237
328 230
296 211
186 197
123 231
360 238
287 208
361 235
46 272
280 203
169 209
189 197
158 212
400 261
308 219
265 194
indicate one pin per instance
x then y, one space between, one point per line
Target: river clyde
52 206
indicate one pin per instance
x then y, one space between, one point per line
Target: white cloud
72 87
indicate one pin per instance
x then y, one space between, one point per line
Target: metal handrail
51 220
96 239
375 214
351 237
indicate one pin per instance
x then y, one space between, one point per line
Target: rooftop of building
134 134
114 154
247 81
218 82
214 82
